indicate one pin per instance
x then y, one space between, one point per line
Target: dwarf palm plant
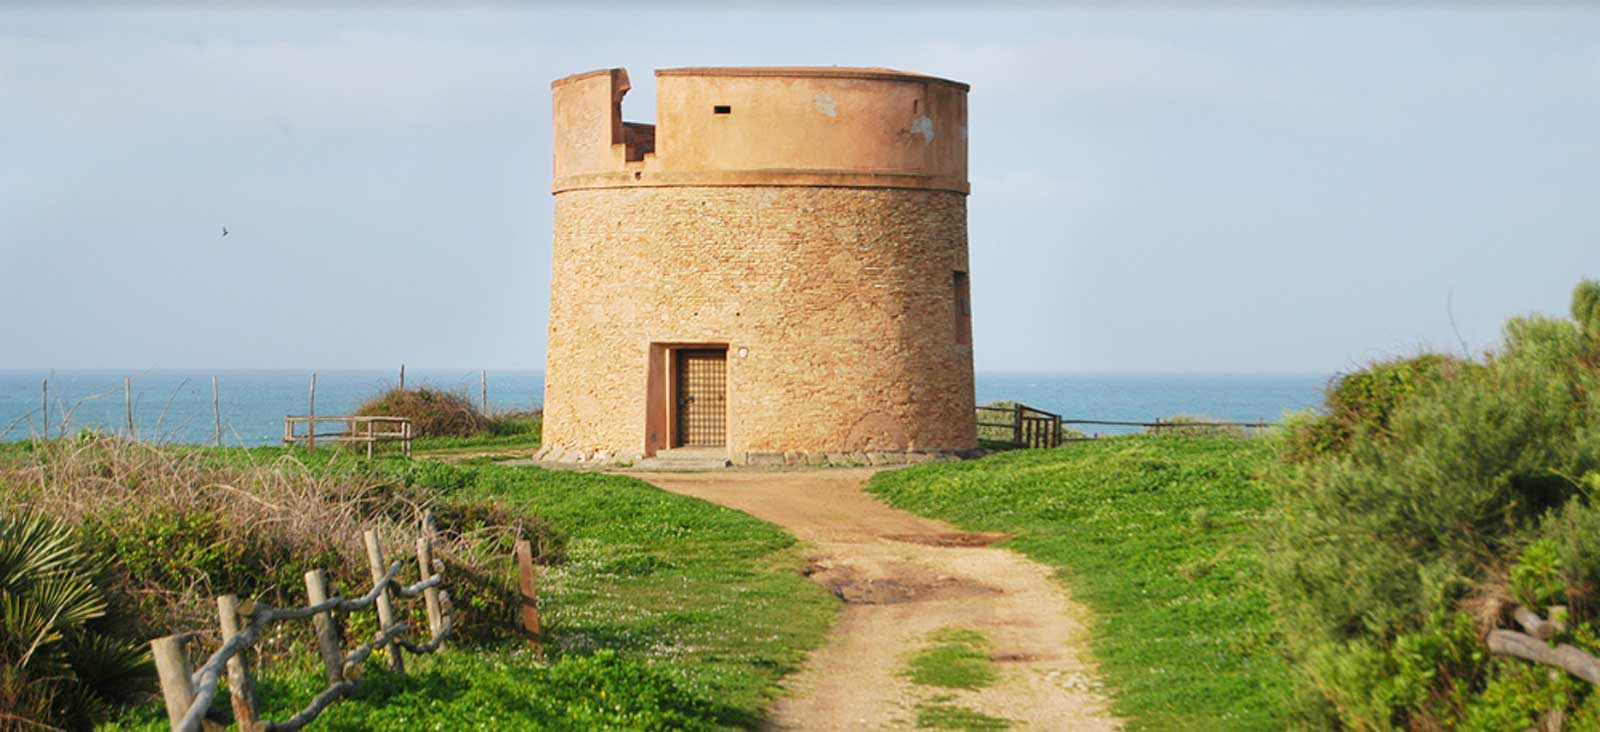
54 670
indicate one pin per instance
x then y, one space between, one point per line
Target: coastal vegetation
1394 561
1156 534
433 412
57 666
448 424
661 612
1435 501
1402 559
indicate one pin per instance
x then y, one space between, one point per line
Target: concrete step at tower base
686 458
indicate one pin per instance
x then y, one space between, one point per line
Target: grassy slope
1183 631
509 436
711 596
655 575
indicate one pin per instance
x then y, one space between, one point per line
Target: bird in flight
224 231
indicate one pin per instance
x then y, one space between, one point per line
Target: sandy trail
901 577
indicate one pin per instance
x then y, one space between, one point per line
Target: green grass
1156 535
957 718
508 435
668 578
958 659
669 613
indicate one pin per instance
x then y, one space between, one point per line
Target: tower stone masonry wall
836 303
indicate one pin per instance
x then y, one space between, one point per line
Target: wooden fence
188 695
1020 425
1159 426
1029 427
360 429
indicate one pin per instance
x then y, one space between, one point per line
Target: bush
1363 400
1456 491
56 669
433 413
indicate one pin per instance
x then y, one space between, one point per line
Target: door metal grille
702 398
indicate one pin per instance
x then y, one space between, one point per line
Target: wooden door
702 398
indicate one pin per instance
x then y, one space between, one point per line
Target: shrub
1458 490
433 413
56 669
1363 400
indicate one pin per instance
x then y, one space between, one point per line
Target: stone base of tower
555 455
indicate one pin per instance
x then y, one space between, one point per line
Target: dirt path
901 577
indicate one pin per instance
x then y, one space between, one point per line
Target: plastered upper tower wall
782 126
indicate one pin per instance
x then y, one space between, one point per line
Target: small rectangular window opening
916 106
963 300
722 109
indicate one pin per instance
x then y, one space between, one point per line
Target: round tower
775 272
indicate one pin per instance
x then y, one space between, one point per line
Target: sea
176 406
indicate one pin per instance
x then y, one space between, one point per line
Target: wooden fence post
484 384
172 668
127 405
385 609
241 688
44 406
430 596
402 377
311 440
530 589
327 633
1016 437
216 410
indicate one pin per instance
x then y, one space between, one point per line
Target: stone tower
776 271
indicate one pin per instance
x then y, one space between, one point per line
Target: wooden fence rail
188 694
357 428
1024 426
1159 425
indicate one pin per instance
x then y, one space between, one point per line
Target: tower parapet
818 126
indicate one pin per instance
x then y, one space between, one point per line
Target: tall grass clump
1433 504
433 412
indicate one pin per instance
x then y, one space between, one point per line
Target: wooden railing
188 695
1158 426
1022 425
359 429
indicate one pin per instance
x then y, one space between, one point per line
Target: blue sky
1233 189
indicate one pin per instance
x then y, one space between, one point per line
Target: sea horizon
175 404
